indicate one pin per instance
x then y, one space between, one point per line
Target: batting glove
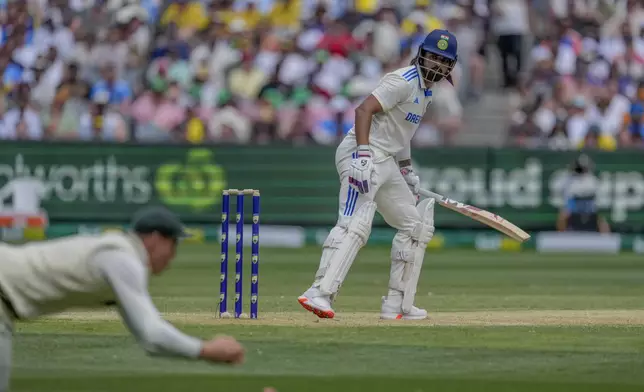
361 170
412 180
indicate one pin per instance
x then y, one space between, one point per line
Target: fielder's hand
361 170
412 180
223 349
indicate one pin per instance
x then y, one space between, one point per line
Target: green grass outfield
499 322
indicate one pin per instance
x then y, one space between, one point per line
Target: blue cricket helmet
437 56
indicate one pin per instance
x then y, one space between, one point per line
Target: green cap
160 220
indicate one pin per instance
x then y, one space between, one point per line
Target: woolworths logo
529 187
103 180
196 182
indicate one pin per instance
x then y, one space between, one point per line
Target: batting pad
408 253
346 250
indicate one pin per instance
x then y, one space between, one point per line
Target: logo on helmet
442 44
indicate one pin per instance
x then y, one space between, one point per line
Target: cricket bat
486 217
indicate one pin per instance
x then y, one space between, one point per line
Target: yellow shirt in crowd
604 142
431 23
367 7
286 15
195 130
251 18
191 16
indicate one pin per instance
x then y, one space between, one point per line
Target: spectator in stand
241 71
60 119
246 81
194 127
249 17
147 105
43 90
632 133
189 16
163 111
100 122
422 17
22 122
524 132
118 90
510 24
592 63
285 15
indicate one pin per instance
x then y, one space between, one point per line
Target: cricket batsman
374 165
93 271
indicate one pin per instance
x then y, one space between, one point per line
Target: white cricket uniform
404 99
84 271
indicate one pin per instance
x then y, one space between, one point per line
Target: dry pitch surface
366 319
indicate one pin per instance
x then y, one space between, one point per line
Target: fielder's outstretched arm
128 278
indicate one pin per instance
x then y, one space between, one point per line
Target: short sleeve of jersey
392 90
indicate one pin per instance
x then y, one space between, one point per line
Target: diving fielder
374 165
93 271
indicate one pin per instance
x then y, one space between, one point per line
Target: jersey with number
51 276
404 100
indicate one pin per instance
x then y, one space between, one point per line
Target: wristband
364 151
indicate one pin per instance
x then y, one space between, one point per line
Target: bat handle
429 194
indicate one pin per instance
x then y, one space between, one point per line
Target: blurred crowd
261 71
71 68
584 85
282 70
210 71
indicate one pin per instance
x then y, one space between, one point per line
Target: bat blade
485 217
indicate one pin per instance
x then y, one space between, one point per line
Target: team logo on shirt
413 118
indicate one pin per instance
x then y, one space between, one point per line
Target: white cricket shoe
392 310
316 302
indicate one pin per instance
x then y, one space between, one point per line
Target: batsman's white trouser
393 200
6 334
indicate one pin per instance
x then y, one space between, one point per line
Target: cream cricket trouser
394 201
6 335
